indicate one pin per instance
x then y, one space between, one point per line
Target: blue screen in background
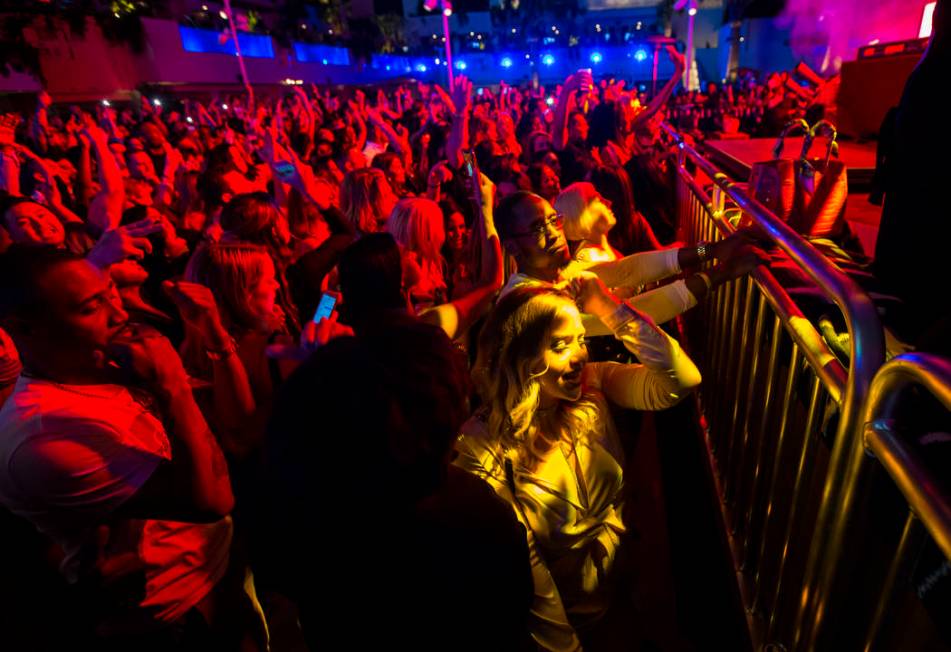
208 41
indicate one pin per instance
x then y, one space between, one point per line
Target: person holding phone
545 440
228 303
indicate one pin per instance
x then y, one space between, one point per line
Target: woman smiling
546 442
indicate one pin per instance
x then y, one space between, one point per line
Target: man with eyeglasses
531 232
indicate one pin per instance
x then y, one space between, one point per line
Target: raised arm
39 128
54 199
359 125
665 372
105 211
235 408
576 82
400 144
645 267
195 484
458 140
9 171
457 316
659 100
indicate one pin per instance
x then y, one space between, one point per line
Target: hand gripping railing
767 450
886 438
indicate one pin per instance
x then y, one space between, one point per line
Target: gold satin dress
570 501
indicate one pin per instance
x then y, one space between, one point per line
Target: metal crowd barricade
784 415
889 439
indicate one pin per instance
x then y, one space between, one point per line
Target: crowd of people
754 107
266 346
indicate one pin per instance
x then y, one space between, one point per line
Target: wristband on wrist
703 252
223 354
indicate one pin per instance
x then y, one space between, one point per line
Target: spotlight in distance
640 55
421 67
447 12
106 103
596 57
204 7
506 62
223 15
224 107
548 59
430 5
692 11
157 102
189 120
436 61
460 65
549 100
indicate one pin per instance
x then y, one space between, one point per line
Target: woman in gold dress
544 438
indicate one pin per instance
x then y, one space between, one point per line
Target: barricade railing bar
893 444
784 414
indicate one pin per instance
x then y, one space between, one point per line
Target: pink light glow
825 33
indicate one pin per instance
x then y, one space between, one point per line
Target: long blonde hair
231 271
572 203
417 226
508 369
361 198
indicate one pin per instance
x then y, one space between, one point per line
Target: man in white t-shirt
103 448
531 231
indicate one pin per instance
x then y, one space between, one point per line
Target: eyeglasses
541 229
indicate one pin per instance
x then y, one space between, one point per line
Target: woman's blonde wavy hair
361 198
509 365
417 225
231 271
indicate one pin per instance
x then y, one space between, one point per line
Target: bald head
531 231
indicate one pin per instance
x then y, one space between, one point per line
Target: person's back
908 258
408 553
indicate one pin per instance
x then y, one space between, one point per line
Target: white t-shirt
70 455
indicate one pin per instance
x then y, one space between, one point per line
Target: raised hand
590 293
578 81
445 98
439 174
739 242
461 97
198 309
128 241
742 262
